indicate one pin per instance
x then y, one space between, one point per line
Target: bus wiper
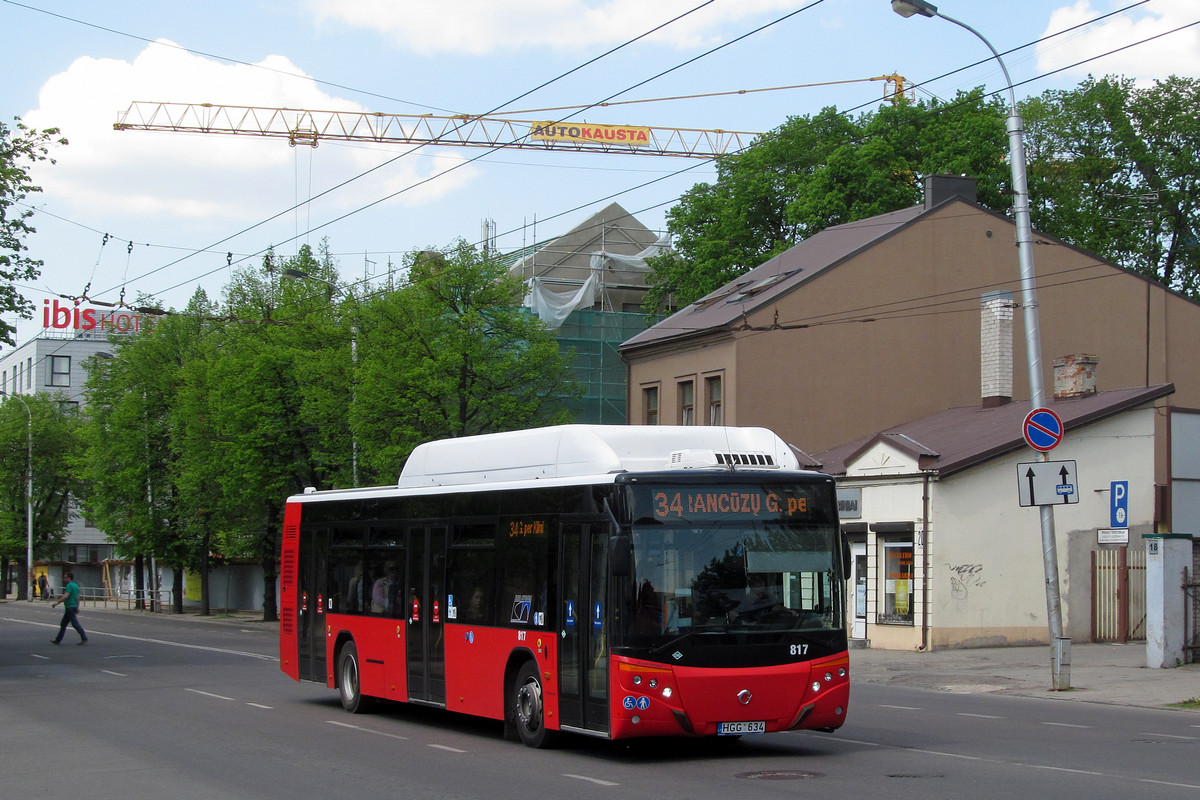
682 637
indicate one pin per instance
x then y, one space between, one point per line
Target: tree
56 440
815 172
1115 169
19 150
131 462
451 353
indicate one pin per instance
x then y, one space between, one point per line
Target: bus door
310 608
426 614
583 653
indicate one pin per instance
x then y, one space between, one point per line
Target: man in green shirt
70 601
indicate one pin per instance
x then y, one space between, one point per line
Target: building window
60 371
29 373
687 403
897 583
712 388
650 403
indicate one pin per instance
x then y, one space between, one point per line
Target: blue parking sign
1118 504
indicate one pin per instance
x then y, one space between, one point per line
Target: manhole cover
779 775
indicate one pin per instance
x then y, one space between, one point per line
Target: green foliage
19 149
1115 169
815 172
451 354
56 440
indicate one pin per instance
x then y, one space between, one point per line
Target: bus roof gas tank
572 451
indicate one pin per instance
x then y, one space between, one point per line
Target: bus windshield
707 561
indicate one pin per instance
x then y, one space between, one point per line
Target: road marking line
1066 725
260 705
364 730
596 781
940 753
901 708
1058 769
209 694
1171 783
1169 736
978 716
39 655
118 674
444 747
155 641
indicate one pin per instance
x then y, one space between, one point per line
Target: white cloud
479 27
1174 54
216 178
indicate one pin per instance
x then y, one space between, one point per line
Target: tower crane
308 127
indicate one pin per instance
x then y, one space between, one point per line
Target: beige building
867 329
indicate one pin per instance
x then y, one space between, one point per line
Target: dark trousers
70 617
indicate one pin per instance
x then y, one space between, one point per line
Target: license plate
739 728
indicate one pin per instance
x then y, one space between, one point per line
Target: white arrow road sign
1047 483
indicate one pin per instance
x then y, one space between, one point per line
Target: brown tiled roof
958 438
778 276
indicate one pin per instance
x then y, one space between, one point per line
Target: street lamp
300 274
1060 645
28 498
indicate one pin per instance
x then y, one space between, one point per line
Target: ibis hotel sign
58 316
584 133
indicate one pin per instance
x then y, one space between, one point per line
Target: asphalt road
158 707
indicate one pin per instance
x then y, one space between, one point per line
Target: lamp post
28 497
1060 645
300 274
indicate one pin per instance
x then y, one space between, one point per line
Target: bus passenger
383 593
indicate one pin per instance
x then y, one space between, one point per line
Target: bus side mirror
620 556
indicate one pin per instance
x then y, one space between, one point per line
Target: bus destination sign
710 502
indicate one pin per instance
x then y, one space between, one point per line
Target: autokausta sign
583 133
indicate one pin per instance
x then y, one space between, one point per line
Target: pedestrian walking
70 601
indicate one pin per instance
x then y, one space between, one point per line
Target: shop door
583 632
858 579
426 648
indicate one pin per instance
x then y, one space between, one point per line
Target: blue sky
75 65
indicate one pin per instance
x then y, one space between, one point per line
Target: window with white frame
60 371
897 583
687 403
712 389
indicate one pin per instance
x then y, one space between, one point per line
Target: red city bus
612 581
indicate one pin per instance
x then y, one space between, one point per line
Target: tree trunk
139 582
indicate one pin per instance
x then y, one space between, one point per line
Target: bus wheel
349 686
530 714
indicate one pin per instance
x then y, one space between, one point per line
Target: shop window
897 583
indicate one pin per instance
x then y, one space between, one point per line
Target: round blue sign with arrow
1043 429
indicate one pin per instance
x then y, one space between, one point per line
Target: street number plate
739 728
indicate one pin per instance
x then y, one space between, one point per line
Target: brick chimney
940 188
1074 376
996 349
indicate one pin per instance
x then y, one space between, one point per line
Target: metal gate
1118 595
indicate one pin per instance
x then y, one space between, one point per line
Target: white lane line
118 674
364 730
39 655
209 694
444 747
1171 783
978 716
596 781
1066 725
901 708
1170 736
940 753
1053 768
260 705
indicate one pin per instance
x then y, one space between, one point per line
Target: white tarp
554 307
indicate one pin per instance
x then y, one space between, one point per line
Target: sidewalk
1100 673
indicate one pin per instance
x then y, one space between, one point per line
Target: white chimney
996 349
